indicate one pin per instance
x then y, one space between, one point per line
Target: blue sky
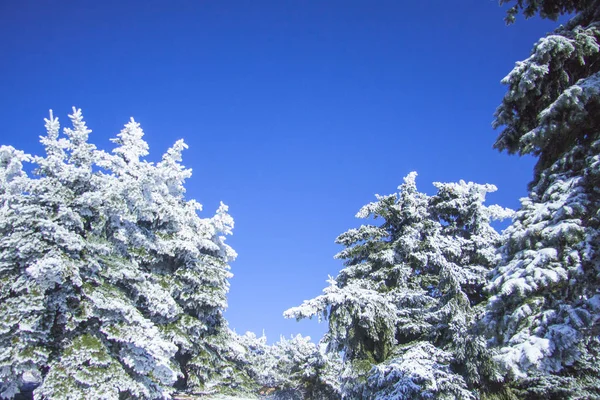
296 112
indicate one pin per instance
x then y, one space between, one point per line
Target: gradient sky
296 112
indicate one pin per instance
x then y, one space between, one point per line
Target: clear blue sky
296 112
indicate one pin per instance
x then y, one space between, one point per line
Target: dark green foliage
551 9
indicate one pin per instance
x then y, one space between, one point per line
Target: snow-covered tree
112 285
307 371
401 310
544 314
291 369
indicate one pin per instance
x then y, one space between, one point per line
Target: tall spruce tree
112 285
544 315
401 308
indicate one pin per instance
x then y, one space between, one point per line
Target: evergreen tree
544 314
401 309
291 369
112 286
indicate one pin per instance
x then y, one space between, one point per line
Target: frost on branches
291 369
111 285
402 309
544 316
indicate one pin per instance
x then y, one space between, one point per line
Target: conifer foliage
111 285
544 314
401 310
291 369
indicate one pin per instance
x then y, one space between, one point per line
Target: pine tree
402 307
544 314
112 285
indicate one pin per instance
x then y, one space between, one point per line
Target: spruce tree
544 314
402 307
112 285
